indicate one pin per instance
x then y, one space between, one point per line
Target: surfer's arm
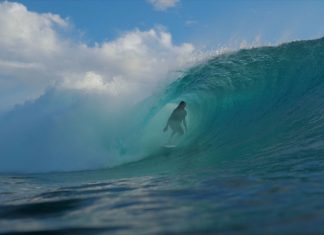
185 124
166 126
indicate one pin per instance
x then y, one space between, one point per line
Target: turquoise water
251 163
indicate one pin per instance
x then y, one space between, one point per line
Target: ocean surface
252 161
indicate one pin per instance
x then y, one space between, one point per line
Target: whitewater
250 163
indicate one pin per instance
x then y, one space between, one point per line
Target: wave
250 104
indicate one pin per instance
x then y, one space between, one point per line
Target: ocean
252 161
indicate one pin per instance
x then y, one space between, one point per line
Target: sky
122 47
206 23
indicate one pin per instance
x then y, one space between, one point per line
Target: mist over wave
68 130
252 103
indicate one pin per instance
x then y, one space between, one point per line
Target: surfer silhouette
177 117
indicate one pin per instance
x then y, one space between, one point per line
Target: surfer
177 117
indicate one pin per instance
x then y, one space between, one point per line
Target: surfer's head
182 105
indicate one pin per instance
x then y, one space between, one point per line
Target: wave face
262 104
254 104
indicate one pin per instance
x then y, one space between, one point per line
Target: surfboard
169 146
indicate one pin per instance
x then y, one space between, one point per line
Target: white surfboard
169 146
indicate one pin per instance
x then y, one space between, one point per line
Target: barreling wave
252 104
256 103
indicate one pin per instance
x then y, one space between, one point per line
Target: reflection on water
193 203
